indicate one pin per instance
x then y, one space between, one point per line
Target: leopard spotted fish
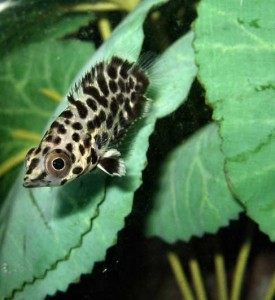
106 101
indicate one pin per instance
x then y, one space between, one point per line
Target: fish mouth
28 185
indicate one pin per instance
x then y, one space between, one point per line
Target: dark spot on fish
128 89
92 91
92 104
61 129
38 149
116 61
103 101
90 125
81 149
57 140
112 71
63 181
120 98
76 137
121 85
41 176
88 159
102 84
113 86
45 150
49 138
131 83
96 122
87 142
126 66
30 151
71 98
110 164
67 114
77 170
99 68
81 109
94 156
141 78
109 122
69 147
88 77
33 164
55 124
102 116
114 107
77 126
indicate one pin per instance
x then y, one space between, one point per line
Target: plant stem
105 28
13 161
270 292
221 276
197 279
240 266
86 7
51 94
180 276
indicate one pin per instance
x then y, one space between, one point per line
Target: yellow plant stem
197 279
105 28
127 5
240 269
25 135
112 5
51 94
270 292
101 7
180 276
221 276
12 162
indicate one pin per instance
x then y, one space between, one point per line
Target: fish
101 107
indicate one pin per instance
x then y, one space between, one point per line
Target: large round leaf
235 46
50 236
193 197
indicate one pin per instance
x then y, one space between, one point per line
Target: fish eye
58 163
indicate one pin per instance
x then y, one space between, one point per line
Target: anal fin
112 164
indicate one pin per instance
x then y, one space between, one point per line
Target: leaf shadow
77 195
88 190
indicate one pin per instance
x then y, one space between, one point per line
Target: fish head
54 165
52 169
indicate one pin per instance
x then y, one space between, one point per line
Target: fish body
106 101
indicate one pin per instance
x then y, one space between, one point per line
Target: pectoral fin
112 164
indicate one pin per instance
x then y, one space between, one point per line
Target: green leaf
19 136
25 75
50 236
23 22
235 46
192 194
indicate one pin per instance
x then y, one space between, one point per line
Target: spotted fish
107 100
